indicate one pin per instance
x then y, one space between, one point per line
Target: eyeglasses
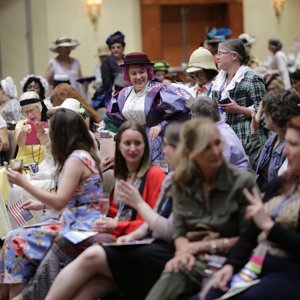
220 53
28 112
197 74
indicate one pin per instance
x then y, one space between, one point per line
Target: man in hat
102 53
63 64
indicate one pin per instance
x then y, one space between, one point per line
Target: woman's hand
33 205
187 260
105 225
256 210
256 117
154 132
194 247
125 238
231 108
15 177
129 194
108 162
41 133
221 278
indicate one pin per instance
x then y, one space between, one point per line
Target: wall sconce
93 8
278 6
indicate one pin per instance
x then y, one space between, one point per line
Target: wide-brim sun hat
64 42
246 39
69 103
29 98
200 59
136 58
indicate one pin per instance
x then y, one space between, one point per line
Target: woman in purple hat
110 68
148 102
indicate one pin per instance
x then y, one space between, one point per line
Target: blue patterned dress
24 248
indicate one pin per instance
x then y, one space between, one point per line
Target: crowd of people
198 198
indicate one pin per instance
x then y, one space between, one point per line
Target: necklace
39 155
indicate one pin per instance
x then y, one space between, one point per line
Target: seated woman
38 84
133 166
208 207
140 259
148 102
79 186
274 227
31 154
279 107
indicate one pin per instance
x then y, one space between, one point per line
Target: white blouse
134 107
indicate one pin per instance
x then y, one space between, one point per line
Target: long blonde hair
194 138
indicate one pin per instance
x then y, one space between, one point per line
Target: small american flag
20 215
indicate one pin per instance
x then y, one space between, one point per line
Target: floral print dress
24 248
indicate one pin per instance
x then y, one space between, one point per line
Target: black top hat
136 58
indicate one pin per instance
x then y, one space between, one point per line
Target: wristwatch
213 247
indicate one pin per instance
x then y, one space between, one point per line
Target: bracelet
213 247
225 245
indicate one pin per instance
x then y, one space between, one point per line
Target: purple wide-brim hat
136 58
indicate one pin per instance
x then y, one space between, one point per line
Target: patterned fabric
248 92
285 211
24 248
163 103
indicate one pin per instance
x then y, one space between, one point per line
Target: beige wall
53 18
260 21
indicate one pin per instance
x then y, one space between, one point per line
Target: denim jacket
277 157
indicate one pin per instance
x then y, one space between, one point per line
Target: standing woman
238 85
110 68
202 68
38 84
63 63
279 61
9 105
207 195
78 192
148 102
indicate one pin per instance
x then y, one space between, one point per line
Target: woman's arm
21 135
49 72
73 171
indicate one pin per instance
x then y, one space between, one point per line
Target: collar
221 77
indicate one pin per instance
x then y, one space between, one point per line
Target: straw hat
64 42
103 51
200 59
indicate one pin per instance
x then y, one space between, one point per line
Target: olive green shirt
227 204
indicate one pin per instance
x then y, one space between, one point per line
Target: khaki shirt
227 204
